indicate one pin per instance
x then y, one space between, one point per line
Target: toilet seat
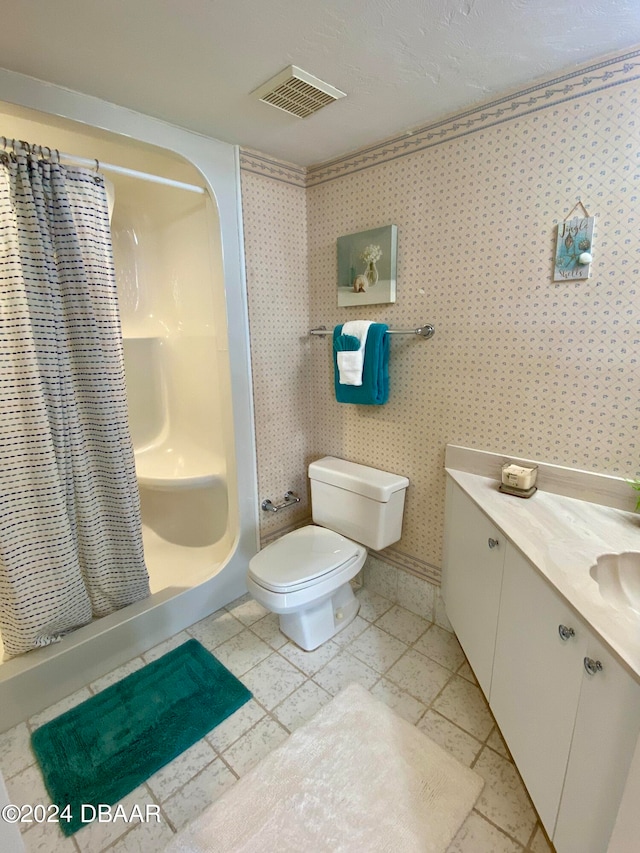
302 558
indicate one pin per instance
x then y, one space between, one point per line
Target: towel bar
290 498
425 331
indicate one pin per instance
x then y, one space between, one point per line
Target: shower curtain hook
97 165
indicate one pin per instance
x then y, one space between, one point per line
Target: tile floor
413 665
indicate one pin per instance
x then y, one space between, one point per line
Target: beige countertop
562 537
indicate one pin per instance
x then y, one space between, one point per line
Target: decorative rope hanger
578 204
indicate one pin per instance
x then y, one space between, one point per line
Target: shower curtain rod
96 164
131 173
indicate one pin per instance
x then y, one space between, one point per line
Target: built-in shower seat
178 464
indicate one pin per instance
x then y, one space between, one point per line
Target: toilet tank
362 503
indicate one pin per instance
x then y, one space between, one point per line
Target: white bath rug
356 778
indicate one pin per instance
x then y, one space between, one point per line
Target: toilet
305 575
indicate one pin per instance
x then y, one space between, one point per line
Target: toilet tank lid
361 479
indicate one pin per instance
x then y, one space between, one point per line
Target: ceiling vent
297 92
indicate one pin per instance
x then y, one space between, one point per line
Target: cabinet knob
493 543
565 633
592 666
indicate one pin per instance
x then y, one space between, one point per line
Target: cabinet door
606 729
536 680
472 577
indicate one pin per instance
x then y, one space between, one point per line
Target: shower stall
176 231
177 375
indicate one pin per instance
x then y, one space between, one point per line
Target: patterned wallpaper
275 236
519 364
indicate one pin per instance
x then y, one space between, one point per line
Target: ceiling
402 63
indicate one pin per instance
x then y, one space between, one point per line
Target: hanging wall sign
574 247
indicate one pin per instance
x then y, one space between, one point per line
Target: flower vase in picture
372 273
370 255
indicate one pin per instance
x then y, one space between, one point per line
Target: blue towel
374 390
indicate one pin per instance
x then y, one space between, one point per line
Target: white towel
351 362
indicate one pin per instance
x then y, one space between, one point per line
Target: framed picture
367 266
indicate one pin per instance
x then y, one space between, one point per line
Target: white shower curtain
70 535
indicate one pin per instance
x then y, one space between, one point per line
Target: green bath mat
101 750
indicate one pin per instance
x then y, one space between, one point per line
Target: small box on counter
518 480
518 476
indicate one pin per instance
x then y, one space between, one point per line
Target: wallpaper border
595 77
413 565
614 72
277 170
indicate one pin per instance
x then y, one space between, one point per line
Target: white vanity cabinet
472 577
604 737
567 707
537 673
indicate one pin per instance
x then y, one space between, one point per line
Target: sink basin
618 576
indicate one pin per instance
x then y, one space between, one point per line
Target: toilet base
313 626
